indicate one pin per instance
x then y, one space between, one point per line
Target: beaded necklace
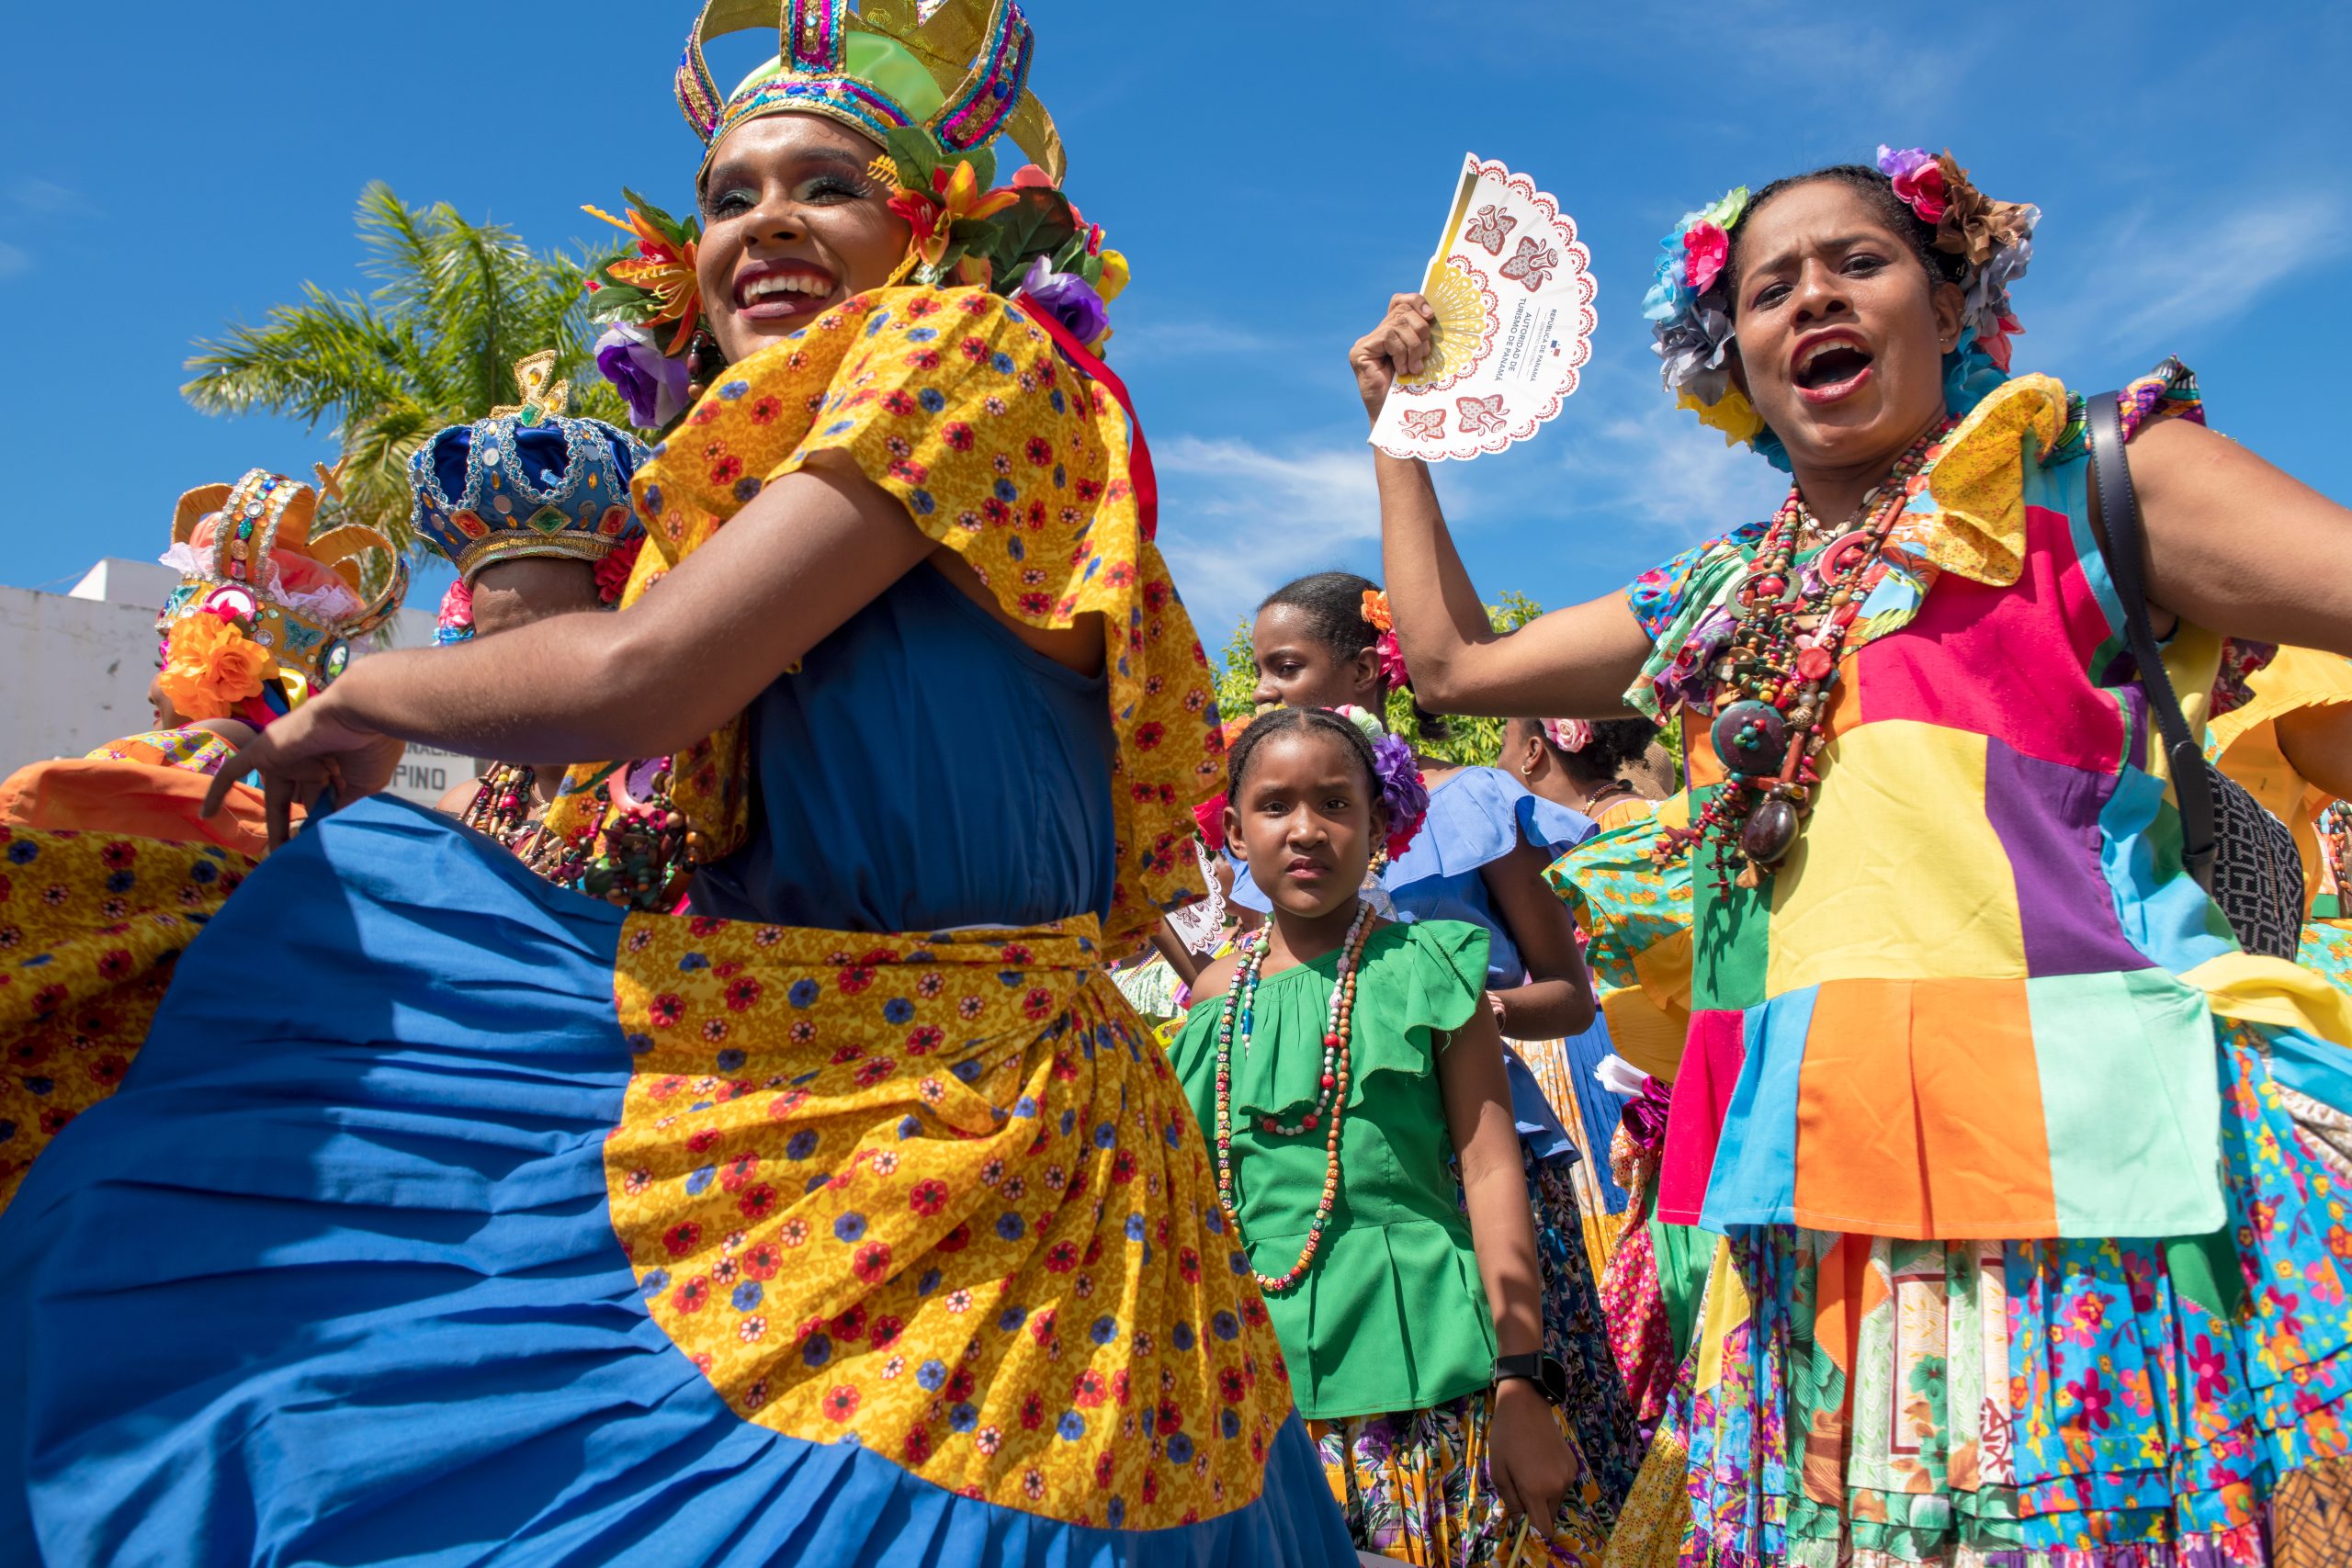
1240 1000
1774 676
502 806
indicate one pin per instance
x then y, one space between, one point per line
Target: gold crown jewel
958 70
249 560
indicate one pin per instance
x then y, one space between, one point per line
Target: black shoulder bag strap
2119 511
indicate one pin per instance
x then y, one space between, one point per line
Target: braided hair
1288 721
1942 266
1333 603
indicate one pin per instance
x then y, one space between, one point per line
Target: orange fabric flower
211 667
1376 611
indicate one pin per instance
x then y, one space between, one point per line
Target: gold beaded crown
955 69
247 556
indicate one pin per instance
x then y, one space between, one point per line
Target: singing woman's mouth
1830 365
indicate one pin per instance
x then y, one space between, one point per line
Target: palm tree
456 303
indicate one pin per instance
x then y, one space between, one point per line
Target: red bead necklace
1774 677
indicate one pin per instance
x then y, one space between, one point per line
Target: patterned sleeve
959 406
1657 595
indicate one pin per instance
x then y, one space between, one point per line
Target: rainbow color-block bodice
1969 1003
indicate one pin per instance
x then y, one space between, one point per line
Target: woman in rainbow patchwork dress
453 1216
2030 1257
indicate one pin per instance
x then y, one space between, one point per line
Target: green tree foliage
1470 742
433 344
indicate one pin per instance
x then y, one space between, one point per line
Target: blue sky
1273 184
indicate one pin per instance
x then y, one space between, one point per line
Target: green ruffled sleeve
1421 982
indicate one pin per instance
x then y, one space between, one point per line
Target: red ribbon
1140 472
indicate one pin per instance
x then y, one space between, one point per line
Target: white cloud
1187 340
1239 520
13 260
1628 455
47 197
2160 280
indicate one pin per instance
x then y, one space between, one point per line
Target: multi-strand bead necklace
502 806
1774 678
1234 1019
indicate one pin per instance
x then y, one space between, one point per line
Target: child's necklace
1240 1001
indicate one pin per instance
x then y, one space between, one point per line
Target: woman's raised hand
319 746
1399 345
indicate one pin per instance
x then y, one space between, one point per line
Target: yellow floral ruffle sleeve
959 405
2244 743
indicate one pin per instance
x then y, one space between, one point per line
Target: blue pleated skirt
332 1279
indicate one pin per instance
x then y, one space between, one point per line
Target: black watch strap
1549 1378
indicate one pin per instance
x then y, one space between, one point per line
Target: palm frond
452 305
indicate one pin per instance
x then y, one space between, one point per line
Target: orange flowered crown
265 614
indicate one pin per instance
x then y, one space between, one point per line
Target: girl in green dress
1340 1065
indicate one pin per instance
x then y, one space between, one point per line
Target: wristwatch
1549 1378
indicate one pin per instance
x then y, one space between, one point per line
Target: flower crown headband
1691 318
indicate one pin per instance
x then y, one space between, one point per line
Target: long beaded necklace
1240 1001
502 806
1774 677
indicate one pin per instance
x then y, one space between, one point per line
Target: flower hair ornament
1569 734
1377 616
455 622
1691 315
650 302
1404 794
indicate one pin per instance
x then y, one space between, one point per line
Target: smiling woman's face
1841 332
793 224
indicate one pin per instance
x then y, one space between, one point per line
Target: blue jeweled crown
526 481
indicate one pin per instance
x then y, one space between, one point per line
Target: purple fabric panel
2047 817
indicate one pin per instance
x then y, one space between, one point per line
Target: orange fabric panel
139 799
1923 1109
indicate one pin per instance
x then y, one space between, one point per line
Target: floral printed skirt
1414 1487
2066 1404
91 925
447 1215
1601 1418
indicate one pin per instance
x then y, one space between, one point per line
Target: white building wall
75 669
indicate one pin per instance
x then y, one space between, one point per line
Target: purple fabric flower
1069 298
653 383
1895 164
1402 793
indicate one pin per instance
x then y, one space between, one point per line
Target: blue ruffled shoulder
1477 816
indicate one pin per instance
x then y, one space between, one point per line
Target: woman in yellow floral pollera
845 1221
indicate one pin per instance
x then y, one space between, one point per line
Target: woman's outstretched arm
2238 546
1572 663
805 555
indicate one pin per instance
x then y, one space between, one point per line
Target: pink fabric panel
2007 662
1702 1089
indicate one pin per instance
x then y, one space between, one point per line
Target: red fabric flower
1705 248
